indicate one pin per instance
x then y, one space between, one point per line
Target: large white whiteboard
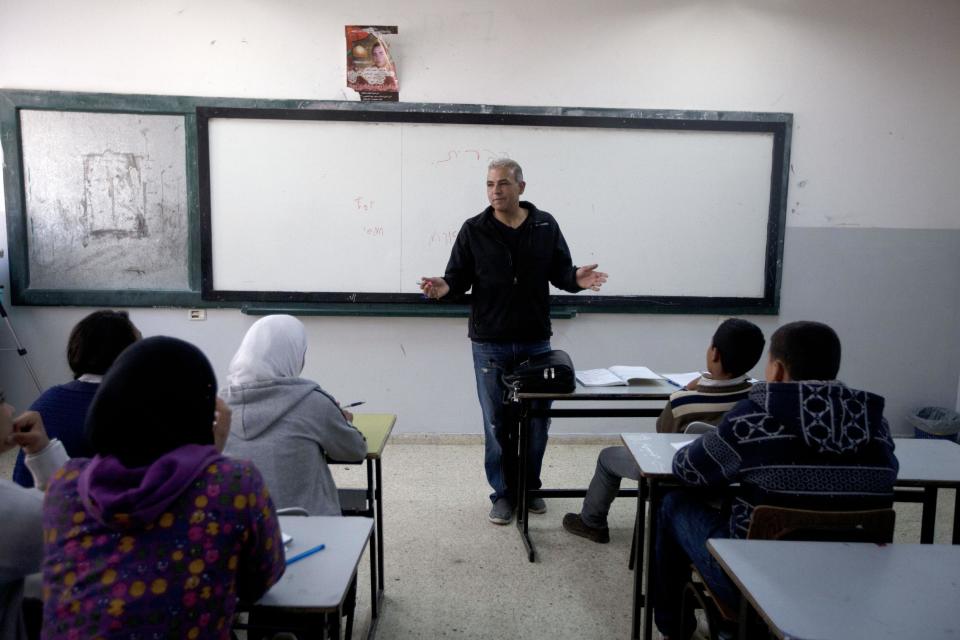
370 207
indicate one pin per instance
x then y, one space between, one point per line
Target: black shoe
575 525
501 512
537 505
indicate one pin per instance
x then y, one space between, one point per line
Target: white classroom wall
873 238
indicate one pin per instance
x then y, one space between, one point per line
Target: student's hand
434 288
693 384
28 433
589 278
221 424
346 414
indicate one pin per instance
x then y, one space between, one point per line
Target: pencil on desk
308 552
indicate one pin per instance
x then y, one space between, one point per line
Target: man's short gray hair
507 163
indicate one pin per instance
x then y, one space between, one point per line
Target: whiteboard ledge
382 310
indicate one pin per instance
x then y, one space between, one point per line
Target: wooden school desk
609 402
925 466
320 582
848 591
376 428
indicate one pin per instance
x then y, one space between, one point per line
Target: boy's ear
777 372
713 353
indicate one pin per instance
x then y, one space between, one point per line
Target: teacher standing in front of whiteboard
509 255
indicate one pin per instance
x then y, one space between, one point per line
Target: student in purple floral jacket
158 535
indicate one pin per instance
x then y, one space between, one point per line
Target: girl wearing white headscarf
283 423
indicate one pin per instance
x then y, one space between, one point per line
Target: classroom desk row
925 467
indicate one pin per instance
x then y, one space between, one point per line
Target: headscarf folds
274 347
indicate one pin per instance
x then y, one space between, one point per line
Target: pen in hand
308 552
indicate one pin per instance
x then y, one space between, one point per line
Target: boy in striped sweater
734 349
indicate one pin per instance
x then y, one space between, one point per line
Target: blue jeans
685 524
501 419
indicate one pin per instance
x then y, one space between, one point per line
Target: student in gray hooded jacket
21 545
284 423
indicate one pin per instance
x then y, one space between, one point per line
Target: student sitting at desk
284 423
21 550
94 343
735 348
802 439
159 534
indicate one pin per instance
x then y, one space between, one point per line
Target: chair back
780 523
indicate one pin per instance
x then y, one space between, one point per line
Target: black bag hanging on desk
550 372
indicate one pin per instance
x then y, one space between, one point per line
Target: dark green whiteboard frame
11 103
777 124
196 109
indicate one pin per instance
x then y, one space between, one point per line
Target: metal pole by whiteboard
19 348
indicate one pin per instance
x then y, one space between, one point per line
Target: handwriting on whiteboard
471 155
442 238
363 204
373 231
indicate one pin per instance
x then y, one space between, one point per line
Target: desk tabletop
654 451
376 428
319 582
649 390
808 590
924 461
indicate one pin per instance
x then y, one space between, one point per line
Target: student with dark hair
802 439
94 343
159 534
735 348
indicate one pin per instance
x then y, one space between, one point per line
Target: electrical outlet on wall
198 314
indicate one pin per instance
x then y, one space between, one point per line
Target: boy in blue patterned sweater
802 439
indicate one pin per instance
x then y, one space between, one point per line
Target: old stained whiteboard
105 196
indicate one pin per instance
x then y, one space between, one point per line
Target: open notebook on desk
618 375
681 379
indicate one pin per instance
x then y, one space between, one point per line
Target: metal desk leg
374 599
638 565
929 515
523 514
333 625
378 496
956 516
654 498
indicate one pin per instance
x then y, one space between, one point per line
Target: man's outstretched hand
589 278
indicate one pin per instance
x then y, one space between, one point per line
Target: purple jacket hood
124 498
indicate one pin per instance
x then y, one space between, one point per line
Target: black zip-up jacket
510 302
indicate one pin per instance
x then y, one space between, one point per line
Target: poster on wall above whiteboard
371 71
